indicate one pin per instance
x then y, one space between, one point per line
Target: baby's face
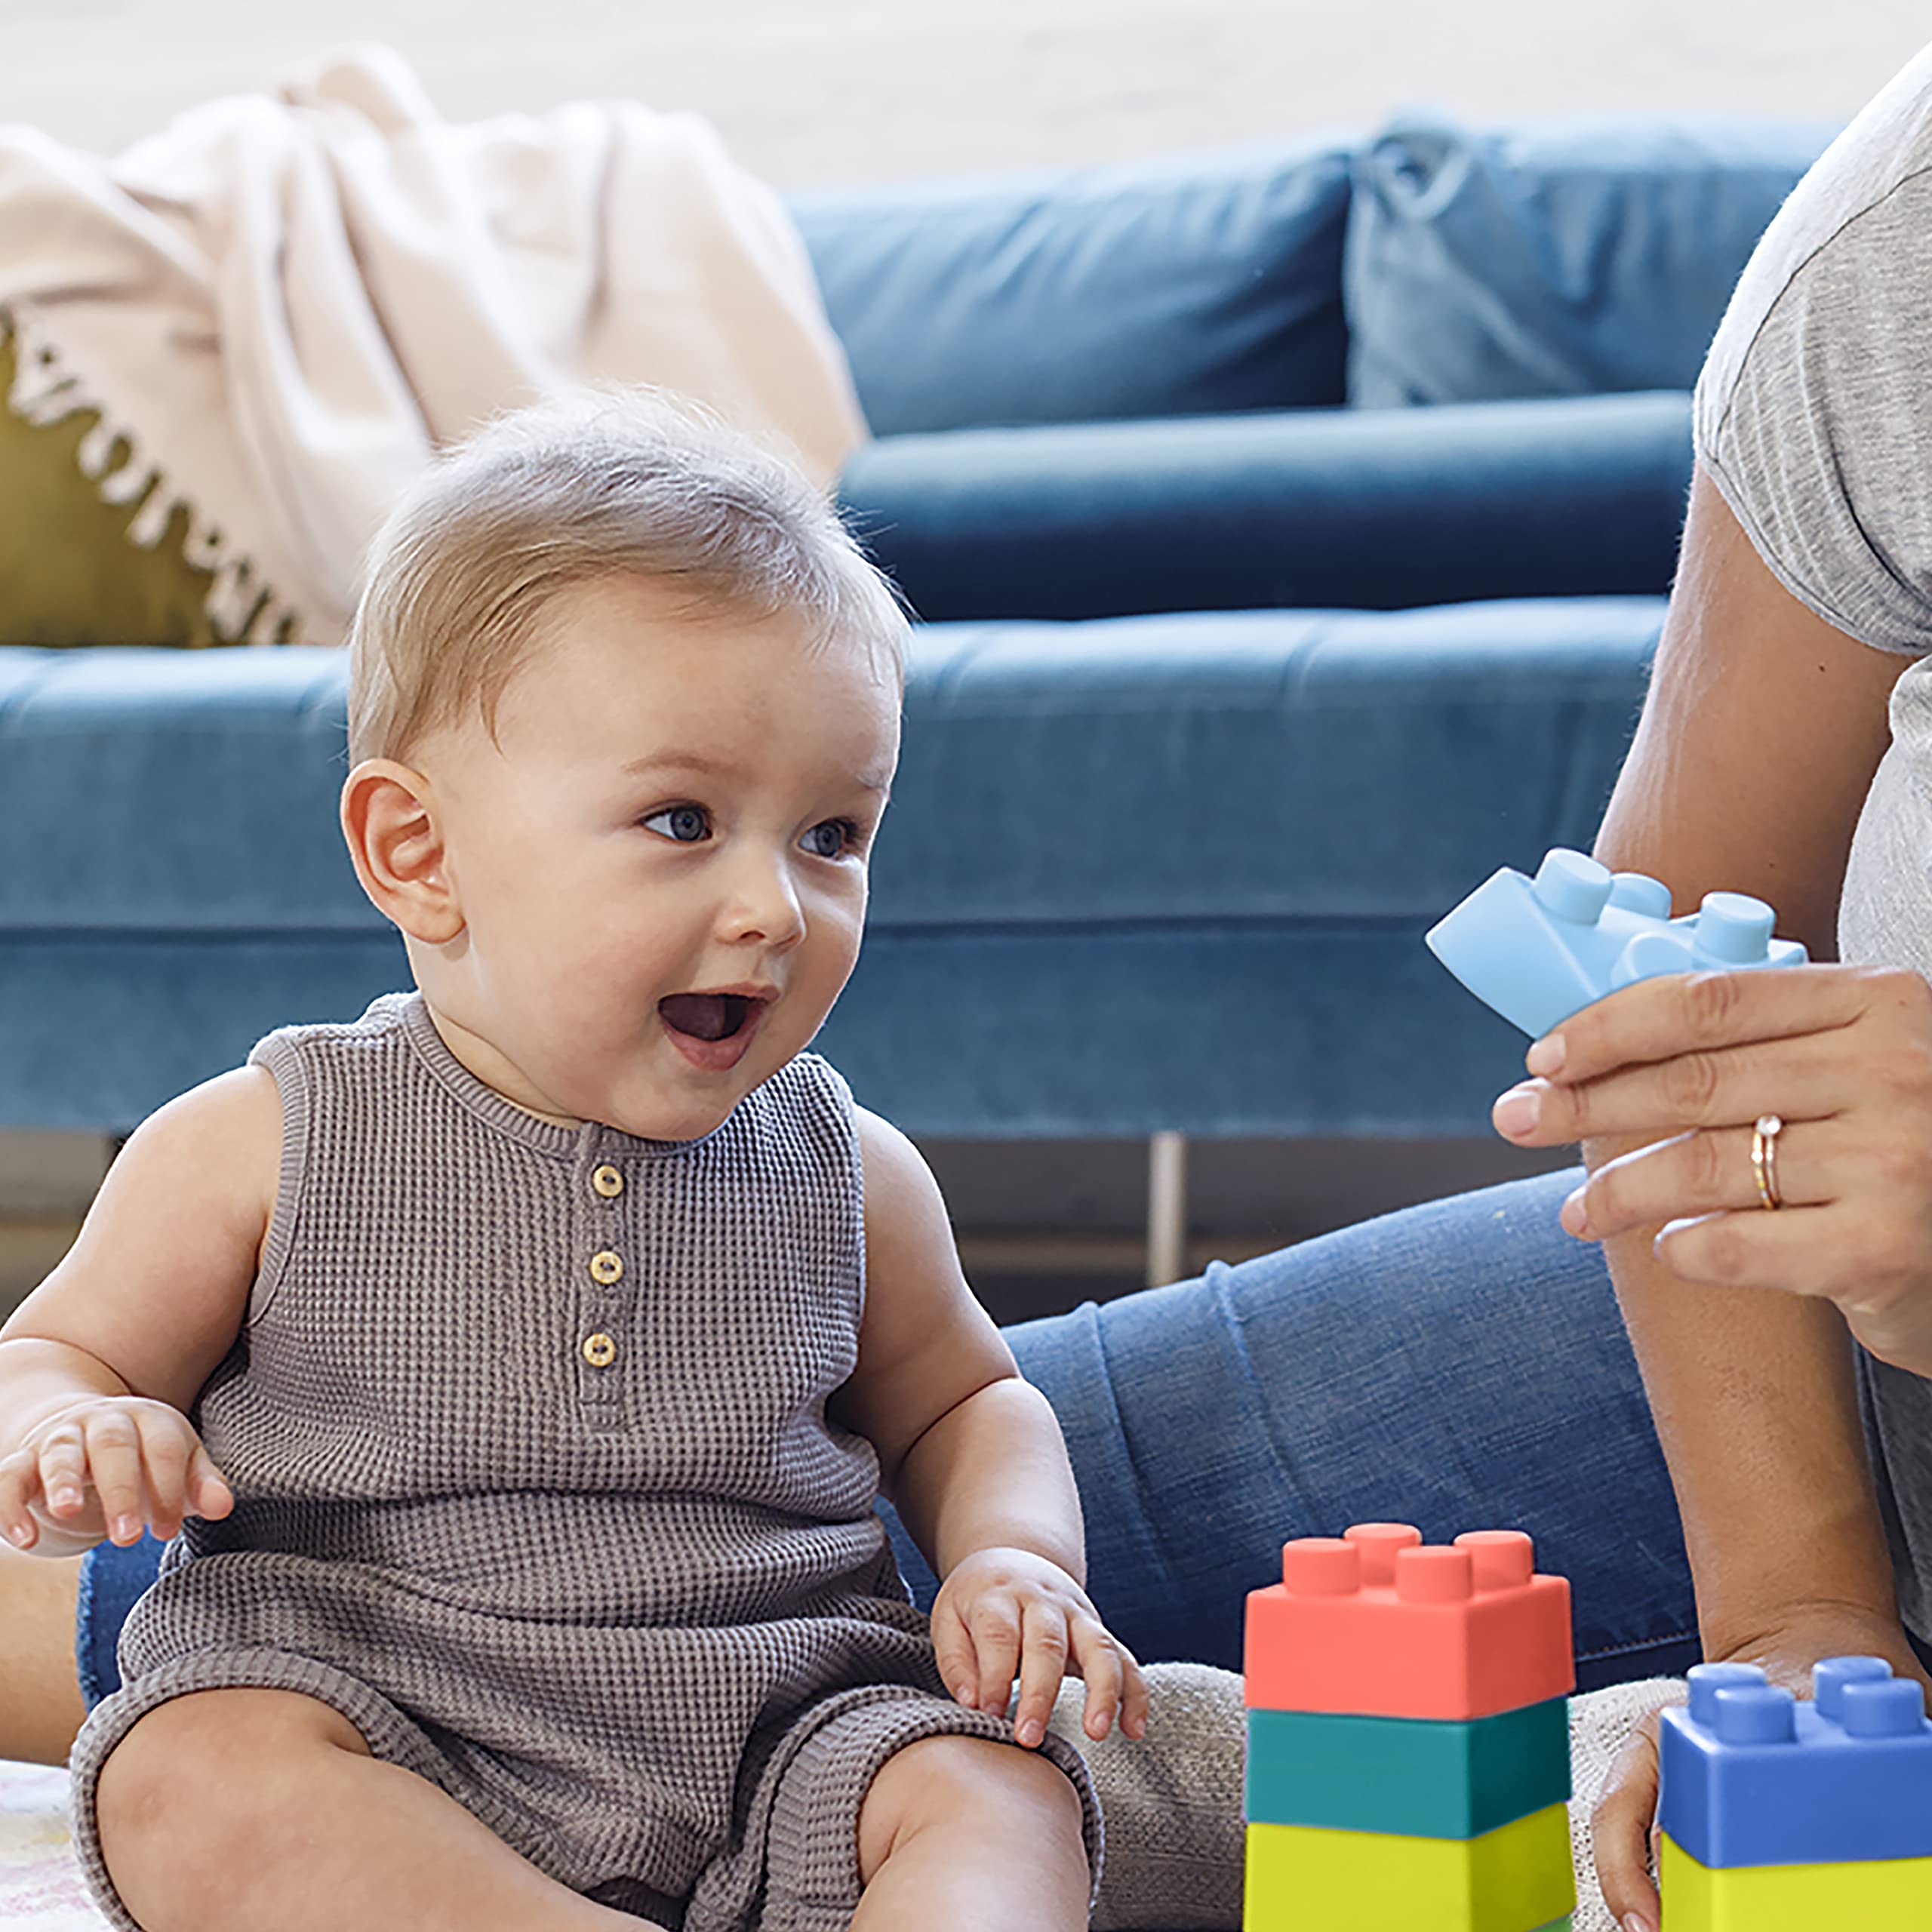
663 873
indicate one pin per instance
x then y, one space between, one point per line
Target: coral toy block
1538 950
1751 1776
1376 1623
1509 1880
1420 1777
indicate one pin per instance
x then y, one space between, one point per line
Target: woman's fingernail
1632 1923
1517 1111
1546 1055
1576 1214
18 1533
1032 1731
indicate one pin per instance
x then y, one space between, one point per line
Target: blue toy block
1538 950
1752 1776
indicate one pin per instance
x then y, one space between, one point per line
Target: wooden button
606 1267
599 1350
608 1182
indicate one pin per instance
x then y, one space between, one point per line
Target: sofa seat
1138 873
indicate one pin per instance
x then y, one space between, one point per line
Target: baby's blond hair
543 500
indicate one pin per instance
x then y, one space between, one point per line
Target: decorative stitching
45 391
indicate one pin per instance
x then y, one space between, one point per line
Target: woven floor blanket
1172 1802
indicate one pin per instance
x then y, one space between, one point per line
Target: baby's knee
994 1790
181 1801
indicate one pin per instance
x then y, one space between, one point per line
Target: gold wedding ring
1764 1158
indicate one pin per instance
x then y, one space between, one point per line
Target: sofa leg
1167 1208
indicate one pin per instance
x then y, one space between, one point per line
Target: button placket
602 1374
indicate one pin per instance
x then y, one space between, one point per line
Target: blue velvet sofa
1291 525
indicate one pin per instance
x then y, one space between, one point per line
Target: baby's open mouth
707 1016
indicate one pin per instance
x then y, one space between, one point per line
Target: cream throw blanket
283 303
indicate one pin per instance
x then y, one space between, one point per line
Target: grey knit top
1813 417
527 1431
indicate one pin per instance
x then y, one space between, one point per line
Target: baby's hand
1001 1609
101 1466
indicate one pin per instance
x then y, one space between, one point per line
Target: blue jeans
1459 1365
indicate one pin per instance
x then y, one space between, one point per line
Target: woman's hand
1842 1054
1003 1609
1623 1827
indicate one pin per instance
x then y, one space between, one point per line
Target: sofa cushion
1274 764
1282 509
1557 256
1167 871
1172 286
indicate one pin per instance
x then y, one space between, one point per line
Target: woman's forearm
1753 1395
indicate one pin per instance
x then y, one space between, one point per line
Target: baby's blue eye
844 834
687 823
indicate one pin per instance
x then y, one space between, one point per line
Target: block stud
1434 1573
1572 885
1893 1708
1501 1559
1379 1543
1756 1714
1638 893
1708 1679
1829 1676
1735 928
1321 1566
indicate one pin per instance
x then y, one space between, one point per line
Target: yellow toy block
1874 1895
1515 1878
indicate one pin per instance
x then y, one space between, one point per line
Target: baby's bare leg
963 1835
230 1809
40 1704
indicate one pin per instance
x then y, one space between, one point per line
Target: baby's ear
395 843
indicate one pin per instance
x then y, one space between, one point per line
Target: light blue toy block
1538 950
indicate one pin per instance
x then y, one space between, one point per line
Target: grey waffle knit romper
533 1483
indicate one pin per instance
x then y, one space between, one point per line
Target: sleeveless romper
534 1484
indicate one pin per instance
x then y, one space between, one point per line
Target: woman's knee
991 1788
41 1703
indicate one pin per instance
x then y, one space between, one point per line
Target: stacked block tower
1779 1815
1408 1737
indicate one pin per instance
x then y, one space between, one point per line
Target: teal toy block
1419 1777
1538 950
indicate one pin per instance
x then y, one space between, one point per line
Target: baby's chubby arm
99 1365
972 1458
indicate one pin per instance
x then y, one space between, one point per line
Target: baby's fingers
1105 1665
1042 1664
61 1449
182 1478
19 1484
995 1623
114 1459
952 1650
212 1497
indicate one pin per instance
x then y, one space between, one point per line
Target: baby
518 1363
